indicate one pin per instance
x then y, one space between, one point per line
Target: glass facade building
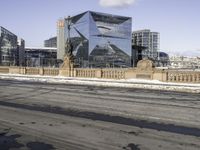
8 48
100 40
40 57
21 52
52 42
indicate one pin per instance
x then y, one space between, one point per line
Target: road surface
43 116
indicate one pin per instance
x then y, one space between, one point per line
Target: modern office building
98 39
147 39
40 57
52 42
8 48
20 52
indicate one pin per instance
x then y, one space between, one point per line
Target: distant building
98 39
8 48
137 54
163 59
61 38
183 62
40 56
20 52
52 42
148 39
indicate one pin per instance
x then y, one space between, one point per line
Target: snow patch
124 83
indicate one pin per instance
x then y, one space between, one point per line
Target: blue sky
178 21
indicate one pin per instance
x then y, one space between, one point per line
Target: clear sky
178 21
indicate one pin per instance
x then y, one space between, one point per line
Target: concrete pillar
41 71
99 73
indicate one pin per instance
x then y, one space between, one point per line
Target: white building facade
184 62
148 39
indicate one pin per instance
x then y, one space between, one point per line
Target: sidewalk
129 83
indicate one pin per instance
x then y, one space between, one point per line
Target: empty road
43 116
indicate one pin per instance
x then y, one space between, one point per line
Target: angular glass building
100 40
8 47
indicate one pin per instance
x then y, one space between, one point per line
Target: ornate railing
88 73
113 73
165 75
51 71
32 71
183 76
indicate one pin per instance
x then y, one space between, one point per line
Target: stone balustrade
32 71
183 76
100 73
85 72
4 69
51 71
113 73
144 70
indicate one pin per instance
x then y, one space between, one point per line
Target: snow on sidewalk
125 83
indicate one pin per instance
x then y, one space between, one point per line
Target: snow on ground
125 83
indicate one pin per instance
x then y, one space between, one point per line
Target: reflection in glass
101 40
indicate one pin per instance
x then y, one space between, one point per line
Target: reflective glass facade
100 40
8 47
52 42
40 56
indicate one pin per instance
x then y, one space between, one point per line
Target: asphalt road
41 116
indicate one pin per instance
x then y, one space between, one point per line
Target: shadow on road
8 142
108 118
39 146
132 146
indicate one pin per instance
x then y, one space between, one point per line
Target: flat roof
41 48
